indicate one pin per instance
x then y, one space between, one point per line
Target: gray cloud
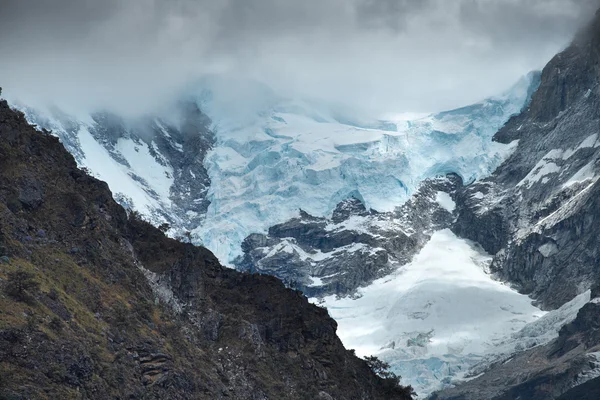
35 22
392 14
379 55
531 21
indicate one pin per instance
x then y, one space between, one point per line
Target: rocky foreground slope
96 304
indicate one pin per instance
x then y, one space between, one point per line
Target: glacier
274 156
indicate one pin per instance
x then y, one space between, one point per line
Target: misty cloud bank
380 55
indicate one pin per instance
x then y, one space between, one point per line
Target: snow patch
586 173
593 372
158 177
543 167
548 249
316 282
589 142
118 177
564 211
444 200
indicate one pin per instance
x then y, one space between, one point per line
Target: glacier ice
424 320
278 156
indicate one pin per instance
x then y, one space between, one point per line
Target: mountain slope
265 165
153 164
273 156
330 204
541 203
120 311
539 215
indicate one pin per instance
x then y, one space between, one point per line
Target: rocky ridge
355 246
538 214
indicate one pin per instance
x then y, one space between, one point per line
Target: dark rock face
322 256
538 212
31 193
348 208
133 314
587 391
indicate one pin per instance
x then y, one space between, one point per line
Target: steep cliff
539 214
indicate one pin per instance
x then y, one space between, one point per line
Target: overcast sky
380 55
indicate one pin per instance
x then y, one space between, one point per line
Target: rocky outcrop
538 212
111 308
337 255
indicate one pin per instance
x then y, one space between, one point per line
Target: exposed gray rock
337 255
31 193
538 213
348 208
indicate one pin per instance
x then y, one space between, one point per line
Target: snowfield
434 318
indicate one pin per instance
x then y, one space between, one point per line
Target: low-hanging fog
382 56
